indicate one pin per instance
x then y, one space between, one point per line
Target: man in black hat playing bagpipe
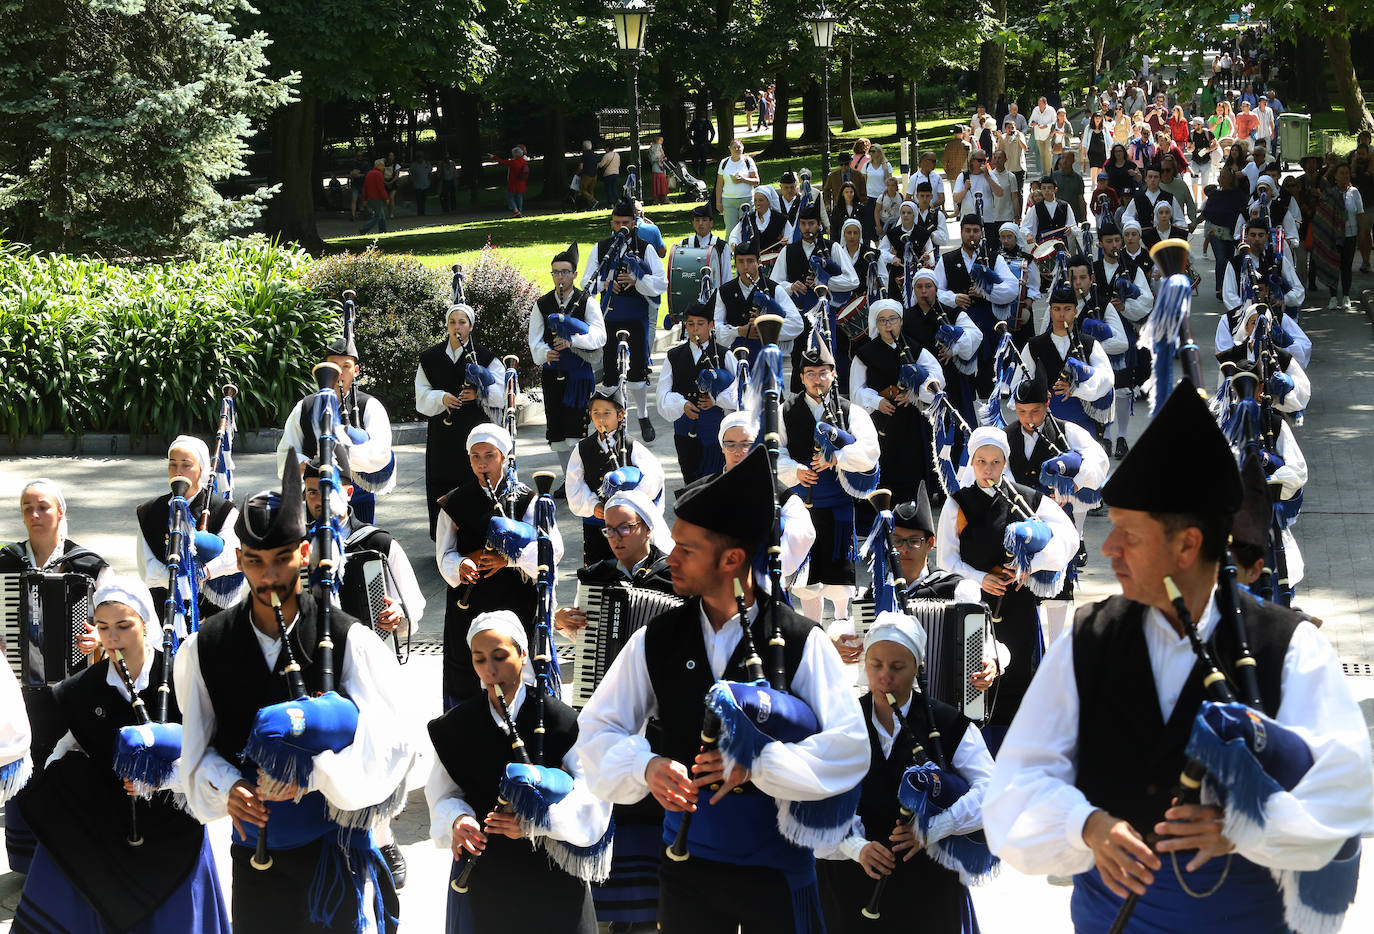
812 268
1088 780
696 388
704 238
974 278
302 766
1126 287
783 778
1072 362
361 424
829 456
629 276
742 299
567 333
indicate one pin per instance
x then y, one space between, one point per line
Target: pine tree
120 119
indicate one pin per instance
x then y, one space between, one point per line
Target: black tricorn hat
737 503
270 520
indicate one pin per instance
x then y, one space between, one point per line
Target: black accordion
958 639
42 616
614 612
363 588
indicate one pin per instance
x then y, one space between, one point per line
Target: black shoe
1081 559
1098 512
396 863
1121 448
561 492
646 430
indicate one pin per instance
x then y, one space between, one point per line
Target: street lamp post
631 29
823 34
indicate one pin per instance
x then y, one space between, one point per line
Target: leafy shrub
401 307
90 346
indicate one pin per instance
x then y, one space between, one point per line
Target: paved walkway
1333 531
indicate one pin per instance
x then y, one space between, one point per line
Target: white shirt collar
513 705
886 739
141 677
56 557
721 645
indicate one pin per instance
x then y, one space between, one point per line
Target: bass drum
684 277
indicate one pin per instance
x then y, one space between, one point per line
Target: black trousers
699 896
639 352
1347 264
276 900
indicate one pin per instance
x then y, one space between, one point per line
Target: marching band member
969 542
951 335
221 583
16 765
882 842
740 870
803 466
1133 253
740 300
1074 793
880 386
958 289
324 862
925 226
566 377
631 301
608 448
85 875
1270 272
1108 273
1143 203
1293 392
364 429
1076 363
769 224
523 862
484 578
1048 218
703 237
797 270
453 403
47 550
696 412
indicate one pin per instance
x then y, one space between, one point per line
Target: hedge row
90 346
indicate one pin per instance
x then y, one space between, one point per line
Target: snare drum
684 277
1044 255
852 318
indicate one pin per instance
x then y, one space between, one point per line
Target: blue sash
1071 410
1248 901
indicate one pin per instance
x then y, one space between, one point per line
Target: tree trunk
556 175
813 121
1357 116
725 120
899 105
992 62
469 114
849 117
780 146
1308 84
290 214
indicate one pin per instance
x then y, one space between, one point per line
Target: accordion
614 612
42 616
363 589
957 637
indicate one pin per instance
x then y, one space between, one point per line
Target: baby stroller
690 188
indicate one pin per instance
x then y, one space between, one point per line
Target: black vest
1145 210
919 326
920 235
596 463
957 278
471 510
1241 352
653 574
1141 261
1129 759
737 308
884 362
1048 360
680 670
94 711
448 375
798 263
878 798
1045 221
1026 470
772 233
987 517
575 308
153 516
310 444
685 371
236 674
636 246
801 426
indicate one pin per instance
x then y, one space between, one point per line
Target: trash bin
1295 136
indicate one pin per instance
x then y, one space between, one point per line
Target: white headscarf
982 437
901 629
1131 224
767 191
736 420
642 506
465 309
134 594
1159 205
198 450
507 624
44 485
877 308
494 435
858 226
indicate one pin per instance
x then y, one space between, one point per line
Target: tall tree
118 119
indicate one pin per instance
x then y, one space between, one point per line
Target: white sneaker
1333 304
1345 303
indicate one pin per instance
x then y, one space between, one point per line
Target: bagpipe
457 293
712 378
805 198
506 535
741 718
222 461
146 753
570 369
189 549
349 417
983 272
1168 331
621 257
1244 757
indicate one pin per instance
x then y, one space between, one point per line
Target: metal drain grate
1357 669
426 648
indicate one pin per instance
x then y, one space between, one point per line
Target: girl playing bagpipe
116 855
533 833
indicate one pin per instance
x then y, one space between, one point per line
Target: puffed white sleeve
1063 544
446 553
942 290
968 343
653 481
725 333
291 437
1136 309
1300 345
656 282
1093 471
778 275
860 393
151 571
885 252
728 400
595 338
1305 827
16 766
1230 289
931 364
1301 394
1033 814
528 562
226 562
430 401
1296 293
539 347
1293 473
1008 287
610 737
375 453
581 818
371 770
589 271
1101 381
446 804
833 760
412 598
669 404
973 762
1116 344
787 467
582 499
863 454
1224 340
798 535
495 398
208 776
947 551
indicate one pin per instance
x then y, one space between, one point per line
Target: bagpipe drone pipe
1243 758
227 589
1167 331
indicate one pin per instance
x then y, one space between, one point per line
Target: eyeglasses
560 273
903 543
737 445
624 531
889 319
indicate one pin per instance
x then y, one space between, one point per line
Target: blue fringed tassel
1241 424
818 824
1232 767
1315 901
1287 509
1058 484
1102 408
966 854
148 753
991 412
376 481
859 485
226 590
14 776
945 434
1086 497
341 876
588 863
